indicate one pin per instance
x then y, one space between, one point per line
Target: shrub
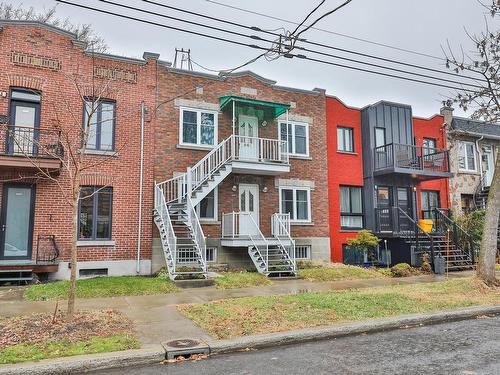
386 272
404 270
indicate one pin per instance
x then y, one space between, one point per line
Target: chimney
447 112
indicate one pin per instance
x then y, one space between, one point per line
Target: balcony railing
412 158
30 142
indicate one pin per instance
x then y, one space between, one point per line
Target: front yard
335 272
266 314
102 287
41 336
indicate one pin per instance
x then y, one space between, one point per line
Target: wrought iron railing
47 250
31 142
411 157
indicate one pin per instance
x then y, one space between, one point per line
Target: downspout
141 178
480 161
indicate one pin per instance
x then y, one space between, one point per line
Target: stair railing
46 254
419 233
170 237
479 189
461 239
198 235
280 228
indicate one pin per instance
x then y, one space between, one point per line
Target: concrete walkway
157 320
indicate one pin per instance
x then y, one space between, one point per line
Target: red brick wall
61 101
169 158
343 168
432 128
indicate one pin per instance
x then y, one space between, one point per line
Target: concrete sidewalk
156 319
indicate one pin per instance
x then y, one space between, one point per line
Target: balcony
423 163
30 149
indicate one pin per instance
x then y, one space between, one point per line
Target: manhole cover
183 343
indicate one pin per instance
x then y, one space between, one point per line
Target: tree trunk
73 262
488 253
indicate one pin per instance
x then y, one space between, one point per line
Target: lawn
266 314
233 280
41 336
335 272
102 287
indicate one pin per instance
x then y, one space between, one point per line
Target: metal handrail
162 209
198 235
31 141
282 229
54 251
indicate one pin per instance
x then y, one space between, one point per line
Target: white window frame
306 248
295 188
343 129
198 111
214 252
216 208
294 123
474 152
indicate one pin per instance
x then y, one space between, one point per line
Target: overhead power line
254 46
329 31
323 45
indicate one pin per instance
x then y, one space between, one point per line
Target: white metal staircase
181 234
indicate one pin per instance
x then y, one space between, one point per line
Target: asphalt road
466 347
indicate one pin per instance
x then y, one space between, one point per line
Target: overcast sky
421 26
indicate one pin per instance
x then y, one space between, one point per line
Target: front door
384 212
249 209
17 222
404 203
248 145
489 165
25 121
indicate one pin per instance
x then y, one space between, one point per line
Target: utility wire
265 49
294 46
328 31
307 17
345 50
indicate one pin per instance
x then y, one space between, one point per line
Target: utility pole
183 56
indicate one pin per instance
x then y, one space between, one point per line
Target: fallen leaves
181 358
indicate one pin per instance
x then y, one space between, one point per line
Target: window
467 156
302 252
345 139
467 203
296 202
187 255
297 136
430 201
207 208
379 137
211 254
198 127
94 213
351 207
101 126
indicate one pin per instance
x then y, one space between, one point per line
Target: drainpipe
480 161
141 177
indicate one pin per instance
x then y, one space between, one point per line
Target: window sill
465 171
95 243
209 222
102 153
353 230
301 157
347 152
296 223
194 147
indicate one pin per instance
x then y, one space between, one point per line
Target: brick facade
46 59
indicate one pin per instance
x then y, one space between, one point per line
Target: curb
154 354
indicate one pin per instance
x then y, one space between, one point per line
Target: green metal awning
262 109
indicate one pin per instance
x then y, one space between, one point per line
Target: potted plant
364 241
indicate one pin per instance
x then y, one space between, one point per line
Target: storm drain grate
185 348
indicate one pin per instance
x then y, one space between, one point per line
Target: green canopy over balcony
263 110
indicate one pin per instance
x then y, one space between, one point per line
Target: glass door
248 144
404 204
17 222
24 123
384 209
249 209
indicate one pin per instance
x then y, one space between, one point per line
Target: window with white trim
345 139
297 202
207 208
467 156
297 136
211 254
198 127
302 252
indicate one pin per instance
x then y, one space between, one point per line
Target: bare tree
84 32
484 103
69 149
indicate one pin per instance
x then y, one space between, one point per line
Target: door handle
3 227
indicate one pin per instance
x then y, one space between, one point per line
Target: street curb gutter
349 329
154 354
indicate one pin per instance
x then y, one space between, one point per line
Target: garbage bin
426 225
439 266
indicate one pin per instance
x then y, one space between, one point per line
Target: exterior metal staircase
181 234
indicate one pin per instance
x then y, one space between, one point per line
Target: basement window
211 254
302 252
93 272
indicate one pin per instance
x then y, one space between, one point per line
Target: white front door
489 164
249 208
248 145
